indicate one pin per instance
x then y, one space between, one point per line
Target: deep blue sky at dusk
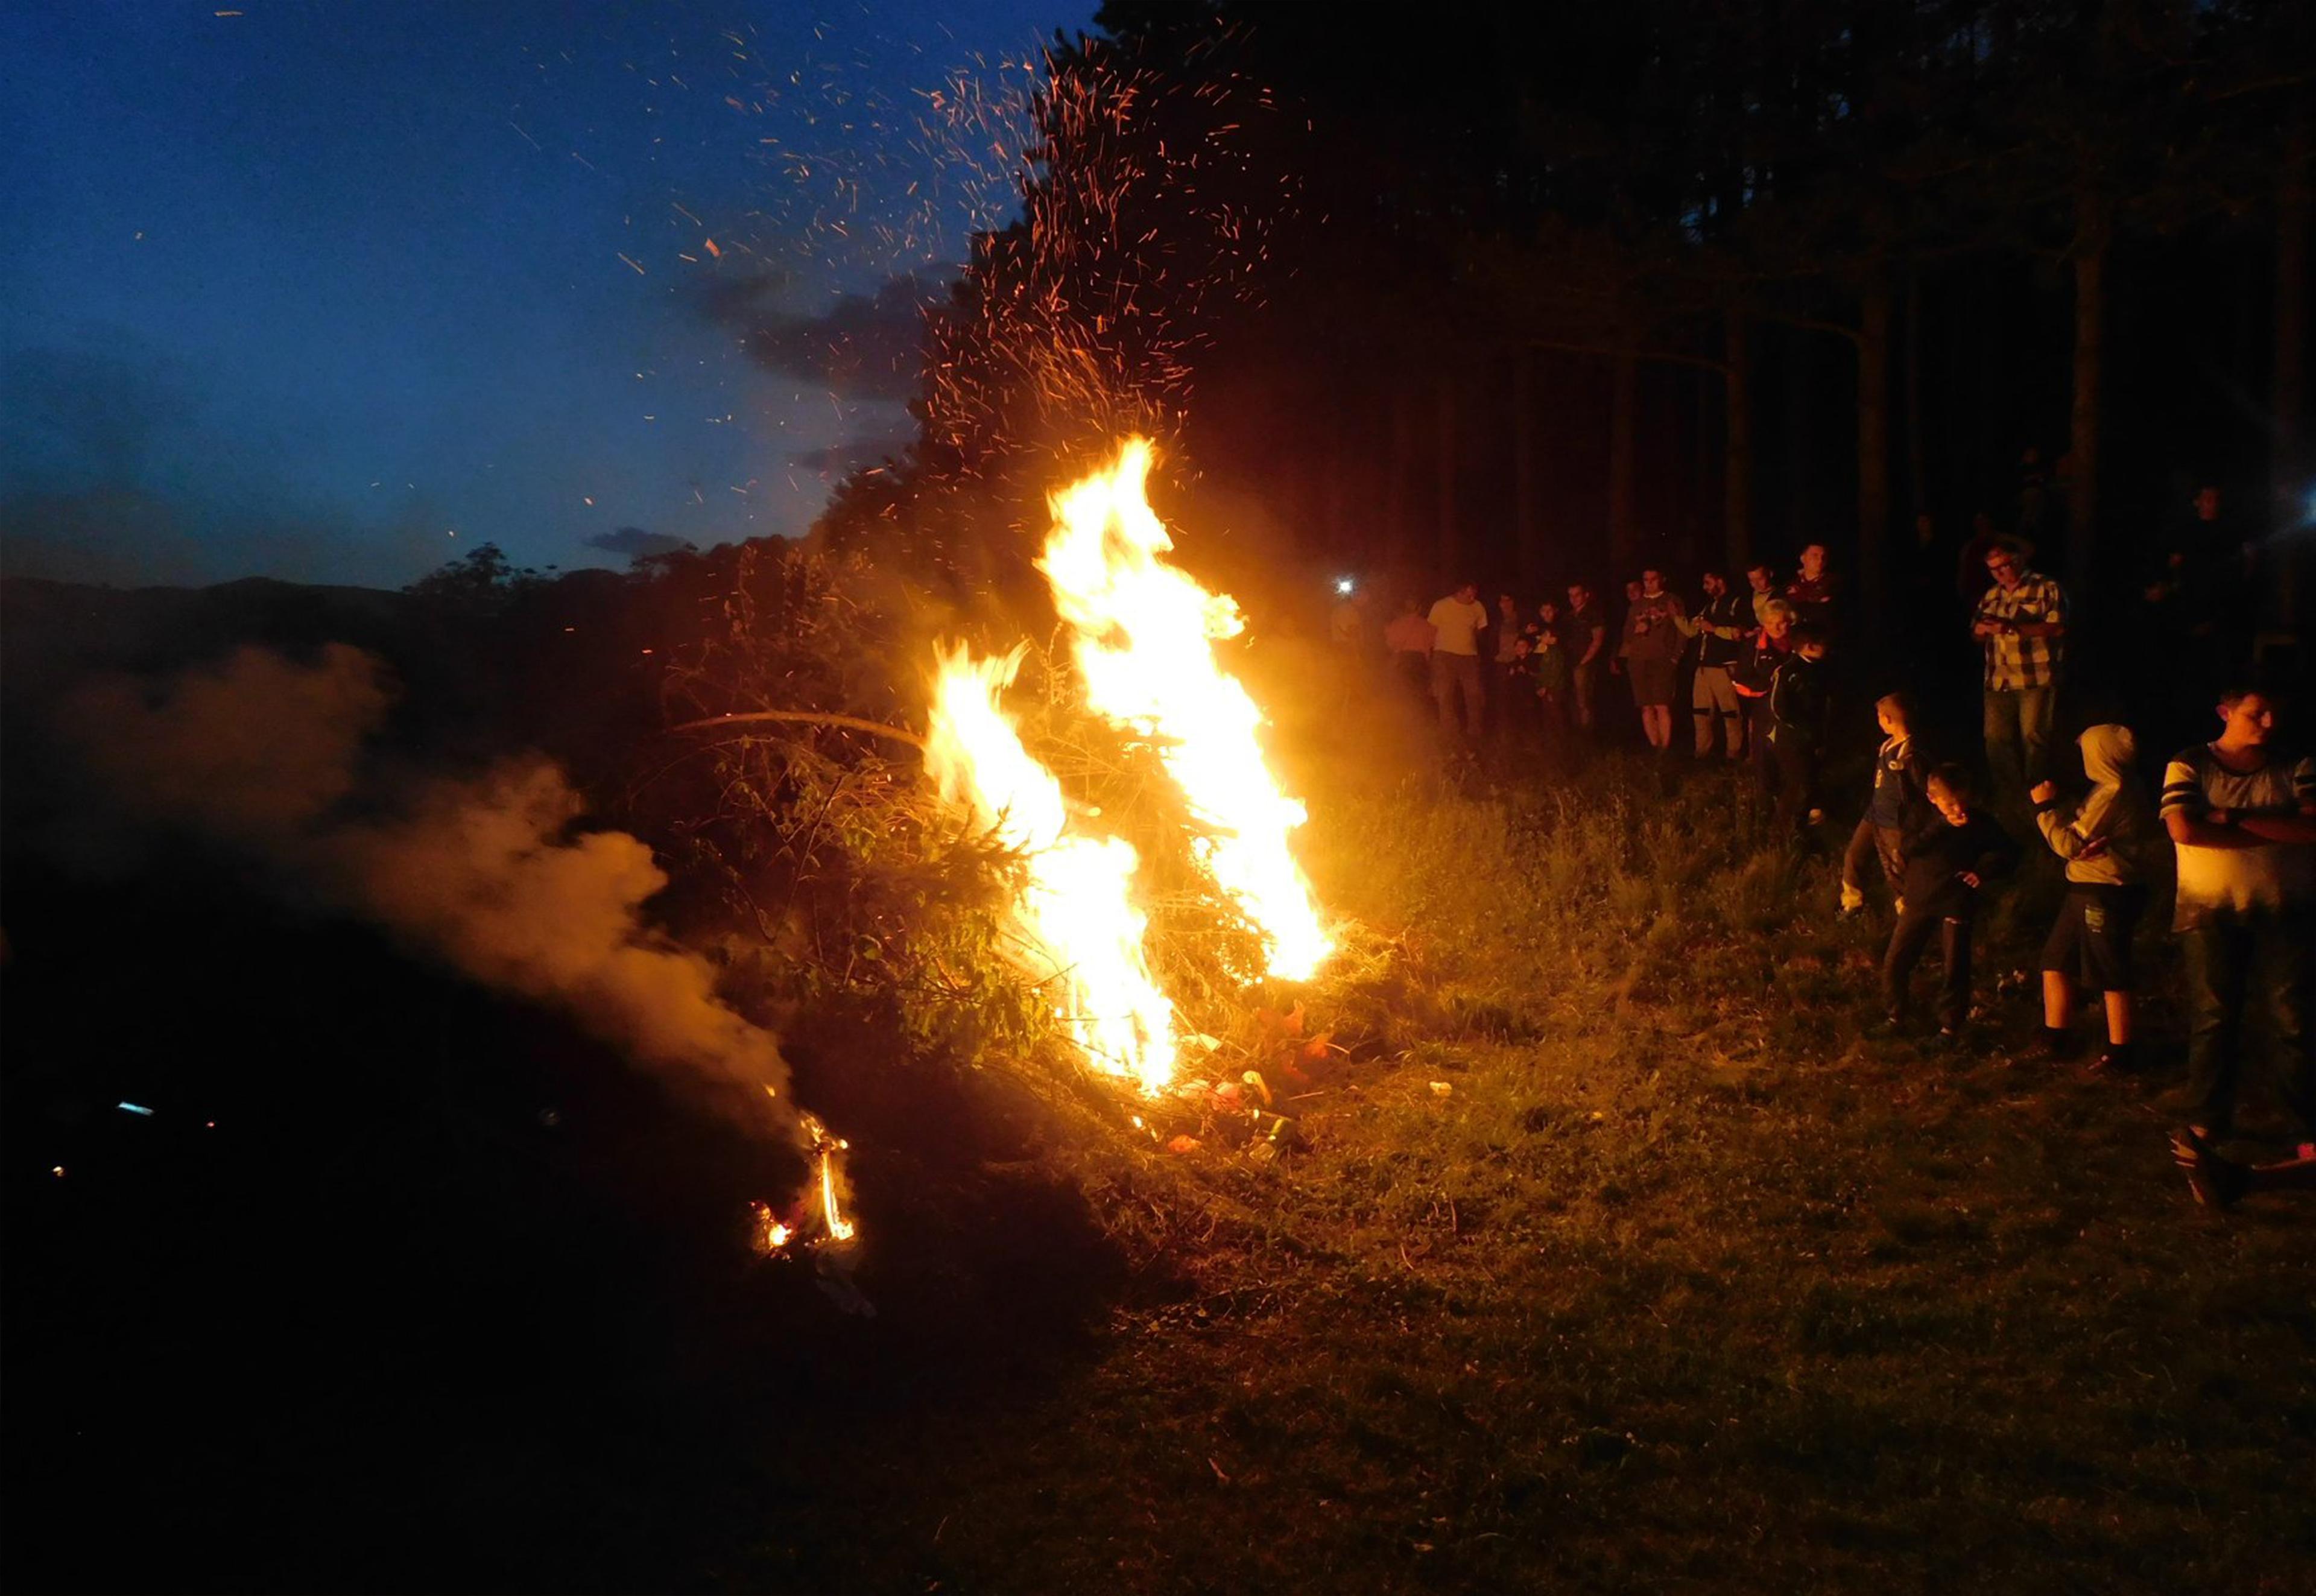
304 291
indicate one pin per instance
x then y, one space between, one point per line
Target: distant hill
53 632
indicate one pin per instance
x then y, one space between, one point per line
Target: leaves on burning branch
859 900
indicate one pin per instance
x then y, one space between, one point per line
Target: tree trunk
1623 419
1737 468
1873 443
1531 542
1451 539
1338 465
2094 229
2288 458
1918 487
1395 496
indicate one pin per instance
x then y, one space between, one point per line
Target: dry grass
1684 1282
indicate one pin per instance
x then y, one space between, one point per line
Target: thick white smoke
264 754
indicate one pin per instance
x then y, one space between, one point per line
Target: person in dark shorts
1653 641
1949 859
2112 843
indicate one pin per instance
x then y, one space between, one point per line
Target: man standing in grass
1720 624
2243 820
1409 639
1508 685
1456 623
2021 623
1584 633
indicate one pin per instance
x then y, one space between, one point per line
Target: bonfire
1143 638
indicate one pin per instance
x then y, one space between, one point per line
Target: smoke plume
485 874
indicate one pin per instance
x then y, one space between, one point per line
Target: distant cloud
861 347
842 458
635 543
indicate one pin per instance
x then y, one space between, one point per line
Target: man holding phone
2021 623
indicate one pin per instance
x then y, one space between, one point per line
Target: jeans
2233 959
2016 721
1761 752
1455 676
1877 844
1906 944
1796 763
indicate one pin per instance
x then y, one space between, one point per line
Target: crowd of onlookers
2233 825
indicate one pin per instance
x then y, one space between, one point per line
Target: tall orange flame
1077 931
1146 632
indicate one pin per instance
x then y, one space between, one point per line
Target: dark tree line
1526 291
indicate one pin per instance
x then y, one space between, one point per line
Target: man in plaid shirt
2021 623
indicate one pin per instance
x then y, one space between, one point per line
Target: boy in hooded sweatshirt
1949 857
2111 845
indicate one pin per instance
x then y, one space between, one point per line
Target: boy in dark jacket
1898 806
1798 698
1753 676
1948 859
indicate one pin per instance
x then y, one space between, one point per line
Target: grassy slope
1685 1283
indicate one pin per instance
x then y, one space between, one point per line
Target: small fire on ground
827 1226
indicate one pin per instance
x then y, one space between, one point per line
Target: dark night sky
334 292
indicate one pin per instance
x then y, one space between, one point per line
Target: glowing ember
771 1236
1077 931
825 1147
1144 642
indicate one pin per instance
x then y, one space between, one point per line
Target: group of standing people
1756 690
2235 821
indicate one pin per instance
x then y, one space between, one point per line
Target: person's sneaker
2057 1043
2115 1060
2216 1181
1852 899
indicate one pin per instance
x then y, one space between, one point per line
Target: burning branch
852 723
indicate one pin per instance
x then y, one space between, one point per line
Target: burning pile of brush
1076 923
1143 636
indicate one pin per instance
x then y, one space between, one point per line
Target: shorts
2090 944
1653 681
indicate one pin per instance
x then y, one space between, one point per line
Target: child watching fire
1948 861
1899 804
2111 845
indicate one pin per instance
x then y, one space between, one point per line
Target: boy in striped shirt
2243 819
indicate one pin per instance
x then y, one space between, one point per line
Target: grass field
1621 1253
